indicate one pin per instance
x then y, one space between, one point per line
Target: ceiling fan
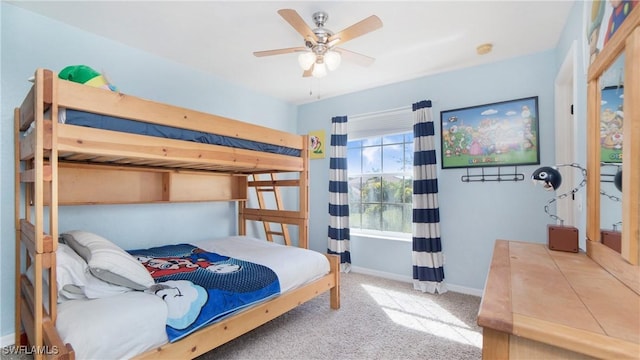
319 52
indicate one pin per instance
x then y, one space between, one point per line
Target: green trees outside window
381 183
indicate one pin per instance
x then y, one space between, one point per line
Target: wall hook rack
499 176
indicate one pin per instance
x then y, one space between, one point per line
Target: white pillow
107 261
70 274
74 279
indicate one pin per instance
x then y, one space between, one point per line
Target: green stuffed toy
85 75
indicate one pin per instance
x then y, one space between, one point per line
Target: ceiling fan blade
358 29
355 57
294 19
279 51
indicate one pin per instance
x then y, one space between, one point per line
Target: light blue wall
30 41
473 215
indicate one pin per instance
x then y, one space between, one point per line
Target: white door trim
566 136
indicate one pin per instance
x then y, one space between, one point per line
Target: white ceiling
418 38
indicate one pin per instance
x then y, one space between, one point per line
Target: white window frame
382 123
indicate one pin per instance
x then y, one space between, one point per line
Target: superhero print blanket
200 287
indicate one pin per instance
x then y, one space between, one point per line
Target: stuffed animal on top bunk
84 74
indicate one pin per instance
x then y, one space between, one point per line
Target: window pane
408 189
408 137
392 189
392 139
392 218
408 157
408 218
372 141
354 161
371 189
355 188
371 217
393 159
355 216
354 144
371 160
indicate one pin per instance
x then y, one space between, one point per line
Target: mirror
611 147
624 266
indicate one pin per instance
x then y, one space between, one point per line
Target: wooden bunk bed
60 164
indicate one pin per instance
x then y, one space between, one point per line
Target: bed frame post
51 82
242 221
51 182
36 338
303 229
18 247
38 181
334 293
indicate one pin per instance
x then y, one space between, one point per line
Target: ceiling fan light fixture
317 58
306 59
332 59
319 70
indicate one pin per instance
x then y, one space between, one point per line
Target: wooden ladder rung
263 186
28 237
28 292
265 189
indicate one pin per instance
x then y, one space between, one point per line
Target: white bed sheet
124 325
294 266
116 327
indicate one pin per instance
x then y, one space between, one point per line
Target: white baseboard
465 290
7 340
407 279
382 274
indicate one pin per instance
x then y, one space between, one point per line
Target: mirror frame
623 266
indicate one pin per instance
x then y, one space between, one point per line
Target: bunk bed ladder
270 186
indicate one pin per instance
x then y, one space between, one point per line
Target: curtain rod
381 112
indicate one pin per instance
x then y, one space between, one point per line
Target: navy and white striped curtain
427 258
338 196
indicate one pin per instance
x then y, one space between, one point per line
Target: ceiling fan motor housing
319 45
319 18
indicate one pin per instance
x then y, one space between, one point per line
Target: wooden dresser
544 304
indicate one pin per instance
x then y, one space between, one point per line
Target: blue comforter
200 287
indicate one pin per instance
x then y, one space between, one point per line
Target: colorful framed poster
316 144
498 134
611 120
602 19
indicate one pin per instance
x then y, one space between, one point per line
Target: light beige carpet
378 319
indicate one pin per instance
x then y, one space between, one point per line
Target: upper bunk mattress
98 121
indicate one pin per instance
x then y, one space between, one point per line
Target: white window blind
380 123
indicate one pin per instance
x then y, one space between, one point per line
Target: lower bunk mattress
127 324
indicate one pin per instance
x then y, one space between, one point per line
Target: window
381 184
